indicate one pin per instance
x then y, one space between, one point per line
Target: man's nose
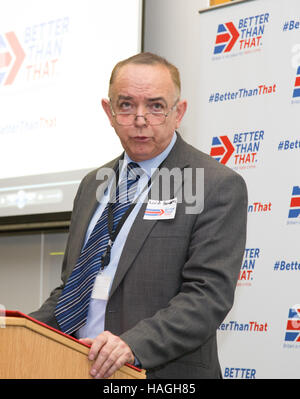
140 118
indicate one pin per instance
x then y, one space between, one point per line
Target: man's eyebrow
157 99
151 99
121 97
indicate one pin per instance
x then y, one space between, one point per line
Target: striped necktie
72 307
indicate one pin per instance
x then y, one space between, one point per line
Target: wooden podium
30 349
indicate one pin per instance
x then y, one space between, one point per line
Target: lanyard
105 258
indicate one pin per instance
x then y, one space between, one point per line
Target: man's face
141 89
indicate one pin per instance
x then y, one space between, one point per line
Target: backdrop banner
249 117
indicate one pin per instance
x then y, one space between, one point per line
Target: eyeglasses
151 118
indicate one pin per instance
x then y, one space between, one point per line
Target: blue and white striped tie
72 307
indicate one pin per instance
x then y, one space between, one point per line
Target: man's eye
157 107
125 106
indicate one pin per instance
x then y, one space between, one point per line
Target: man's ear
107 109
180 111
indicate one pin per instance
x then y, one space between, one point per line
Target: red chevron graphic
157 212
19 57
226 150
234 36
229 147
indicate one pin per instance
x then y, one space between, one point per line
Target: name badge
160 210
101 287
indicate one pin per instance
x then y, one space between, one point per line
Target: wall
30 267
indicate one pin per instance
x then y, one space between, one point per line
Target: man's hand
109 352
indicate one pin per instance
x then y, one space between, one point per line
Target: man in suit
169 283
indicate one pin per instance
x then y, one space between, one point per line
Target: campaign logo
259 207
11 58
238 151
246 274
288 145
250 326
292 331
239 373
242 93
33 55
221 149
227 36
282 265
294 211
244 35
296 92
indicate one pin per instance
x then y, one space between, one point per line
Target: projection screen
55 62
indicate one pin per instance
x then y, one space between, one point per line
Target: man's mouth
141 138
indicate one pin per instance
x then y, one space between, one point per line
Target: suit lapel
141 228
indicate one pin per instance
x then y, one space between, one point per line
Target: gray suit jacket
176 278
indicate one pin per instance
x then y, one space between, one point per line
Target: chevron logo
227 36
296 92
293 325
11 58
221 149
294 211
